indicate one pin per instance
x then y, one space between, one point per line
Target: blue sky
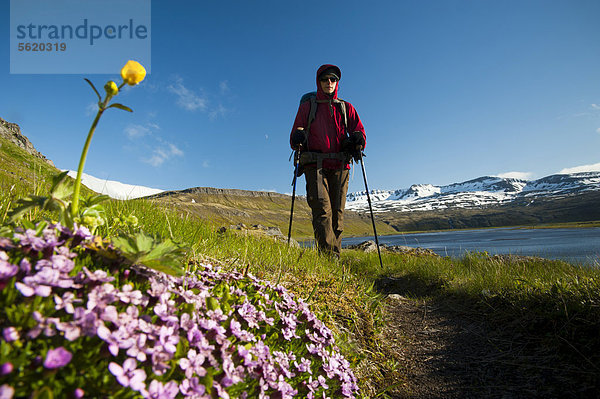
447 90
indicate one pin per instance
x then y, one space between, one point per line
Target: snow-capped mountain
478 193
114 189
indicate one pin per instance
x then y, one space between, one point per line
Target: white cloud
583 168
266 137
187 99
175 151
153 126
224 86
137 131
217 112
516 175
598 130
162 154
91 109
596 107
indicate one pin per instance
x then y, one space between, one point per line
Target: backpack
312 97
308 157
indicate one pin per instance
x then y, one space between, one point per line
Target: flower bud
133 73
111 88
6 368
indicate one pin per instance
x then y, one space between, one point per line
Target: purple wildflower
10 334
81 233
101 296
6 391
87 320
79 393
25 265
168 339
303 366
7 269
193 364
29 239
158 390
56 358
165 309
128 295
66 302
119 339
6 243
6 368
28 290
98 276
192 387
129 375
239 333
61 263
138 349
159 362
71 330
249 313
246 356
42 324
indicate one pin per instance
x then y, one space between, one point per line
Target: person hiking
327 132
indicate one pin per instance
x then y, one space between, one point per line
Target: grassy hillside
228 207
544 316
19 168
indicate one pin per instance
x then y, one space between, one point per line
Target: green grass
553 306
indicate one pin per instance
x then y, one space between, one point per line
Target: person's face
328 83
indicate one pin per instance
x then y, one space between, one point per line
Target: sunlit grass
555 302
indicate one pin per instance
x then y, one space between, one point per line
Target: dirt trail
445 353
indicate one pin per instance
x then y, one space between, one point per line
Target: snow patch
115 189
476 193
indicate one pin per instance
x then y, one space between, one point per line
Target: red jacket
327 130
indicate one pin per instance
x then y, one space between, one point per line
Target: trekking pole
362 165
293 194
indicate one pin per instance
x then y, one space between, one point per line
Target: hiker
327 133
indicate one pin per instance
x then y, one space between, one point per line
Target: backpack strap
313 111
342 104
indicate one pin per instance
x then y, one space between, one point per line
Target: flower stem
77 188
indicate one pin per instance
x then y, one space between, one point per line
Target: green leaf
120 106
93 87
61 186
165 255
124 244
143 242
24 205
96 199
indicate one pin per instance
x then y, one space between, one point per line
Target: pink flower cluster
213 333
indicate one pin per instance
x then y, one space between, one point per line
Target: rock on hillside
12 132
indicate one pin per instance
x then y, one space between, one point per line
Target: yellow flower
111 88
133 73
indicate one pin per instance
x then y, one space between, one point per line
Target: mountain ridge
476 193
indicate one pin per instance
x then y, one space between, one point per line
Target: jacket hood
320 93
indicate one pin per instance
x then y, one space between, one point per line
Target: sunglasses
329 79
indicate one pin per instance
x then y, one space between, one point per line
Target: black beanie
331 71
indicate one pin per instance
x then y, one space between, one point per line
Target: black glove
358 140
299 138
348 145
